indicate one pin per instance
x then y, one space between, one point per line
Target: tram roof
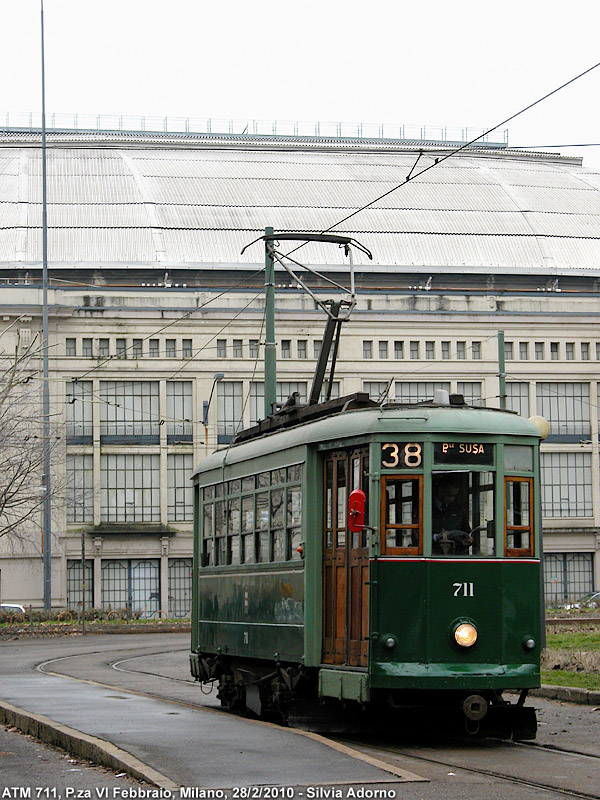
391 419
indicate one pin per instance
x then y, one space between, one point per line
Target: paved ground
191 742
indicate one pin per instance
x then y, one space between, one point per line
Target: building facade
156 329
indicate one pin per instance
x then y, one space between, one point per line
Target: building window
414 349
129 408
367 349
180 492
398 350
253 348
383 349
229 409
508 351
445 351
567 406
170 348
75 584
585 351
186 348
131 584
430 350
566 484
471 391
376 390
121 348
136 348
476 350
302 351
130 488
79 401
523 351
103 348
153 348
71 347
418 391
461 350
179 411
517 398
87 348
317 348
598 351
570 351
286 348
554 351
567 576
180 587
80 488
221 348
539 351
238 348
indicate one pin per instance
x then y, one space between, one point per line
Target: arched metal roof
138 200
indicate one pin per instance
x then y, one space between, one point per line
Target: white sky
433 62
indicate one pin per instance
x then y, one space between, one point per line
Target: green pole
501 370
270 351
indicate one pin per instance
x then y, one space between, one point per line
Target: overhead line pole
47 507
270 347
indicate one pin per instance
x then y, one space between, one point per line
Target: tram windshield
462 514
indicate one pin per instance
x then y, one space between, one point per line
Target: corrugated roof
126 202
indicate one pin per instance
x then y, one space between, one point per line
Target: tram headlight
465 634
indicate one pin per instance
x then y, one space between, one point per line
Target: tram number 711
463 589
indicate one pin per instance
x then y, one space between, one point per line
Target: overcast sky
432 63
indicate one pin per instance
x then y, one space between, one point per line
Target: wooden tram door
345 563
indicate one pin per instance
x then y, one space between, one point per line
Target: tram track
489 773
392 755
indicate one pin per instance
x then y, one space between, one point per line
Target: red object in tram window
356 510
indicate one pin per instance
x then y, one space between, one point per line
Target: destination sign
463 453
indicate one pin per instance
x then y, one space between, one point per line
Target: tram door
345 563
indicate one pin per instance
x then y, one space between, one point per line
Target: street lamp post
218 377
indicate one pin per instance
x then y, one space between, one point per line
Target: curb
569 694
83 745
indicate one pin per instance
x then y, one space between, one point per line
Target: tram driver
449 519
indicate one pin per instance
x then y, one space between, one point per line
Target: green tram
325 573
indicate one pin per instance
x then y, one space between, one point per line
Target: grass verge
563 677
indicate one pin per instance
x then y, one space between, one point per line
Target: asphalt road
220 750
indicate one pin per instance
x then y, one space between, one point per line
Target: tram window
247 554
294 506
219 490
402 498
220 530
518 458
277 477
262 510
207 533
341 502
294 473
277 508
329 504
262 546
233 549
209 493
248 484
247 514
233 487
462 514
295 538
233 516
263 479
519 523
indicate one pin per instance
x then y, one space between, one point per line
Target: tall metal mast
47 507
270 346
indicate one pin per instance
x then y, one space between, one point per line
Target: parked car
11 608
590 600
